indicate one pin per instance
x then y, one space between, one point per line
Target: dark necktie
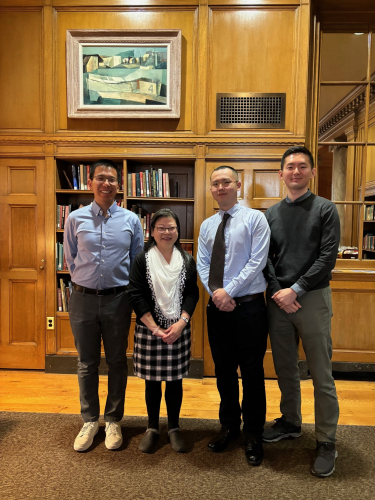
216 276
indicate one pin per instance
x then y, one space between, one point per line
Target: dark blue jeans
239 339
92 319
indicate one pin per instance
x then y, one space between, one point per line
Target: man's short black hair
297 149
222 168
106 164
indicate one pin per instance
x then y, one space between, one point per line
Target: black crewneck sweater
305 236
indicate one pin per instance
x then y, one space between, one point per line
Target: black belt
106 291
247 298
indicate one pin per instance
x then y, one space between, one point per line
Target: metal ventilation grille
250 110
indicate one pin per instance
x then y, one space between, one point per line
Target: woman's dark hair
164 212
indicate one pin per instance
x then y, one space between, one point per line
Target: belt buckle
98 291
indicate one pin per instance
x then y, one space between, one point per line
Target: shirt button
103 246
101 275
102 260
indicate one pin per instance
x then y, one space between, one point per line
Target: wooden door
22 265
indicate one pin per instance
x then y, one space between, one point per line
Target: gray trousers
92 319
312 324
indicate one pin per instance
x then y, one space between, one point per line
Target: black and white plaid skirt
155 360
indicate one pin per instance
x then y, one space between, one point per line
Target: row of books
151 183
63 295
369 212
61 264
80 174
145 218
63 211
369 241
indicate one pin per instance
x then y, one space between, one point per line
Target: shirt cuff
299 291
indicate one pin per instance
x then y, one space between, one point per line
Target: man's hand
230 306
284 297
286 300
221 299
292 308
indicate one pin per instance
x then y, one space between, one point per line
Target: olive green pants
311 323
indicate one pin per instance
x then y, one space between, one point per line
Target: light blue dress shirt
99 250
247 239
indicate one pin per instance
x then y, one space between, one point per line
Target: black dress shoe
221 440
254 451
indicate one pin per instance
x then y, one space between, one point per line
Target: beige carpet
37 461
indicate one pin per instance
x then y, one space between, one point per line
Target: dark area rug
37 461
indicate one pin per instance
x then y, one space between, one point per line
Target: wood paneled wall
227 46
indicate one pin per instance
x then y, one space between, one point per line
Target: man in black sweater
305 234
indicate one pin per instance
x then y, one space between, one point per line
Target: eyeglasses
102 179
161 229
225 184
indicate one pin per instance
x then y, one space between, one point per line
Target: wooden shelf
62 272
153 198
80 191
62 314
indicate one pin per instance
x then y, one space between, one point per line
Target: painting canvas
123 74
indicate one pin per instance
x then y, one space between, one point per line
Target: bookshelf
181 175
181 193
368 245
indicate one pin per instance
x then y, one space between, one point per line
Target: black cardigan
140 293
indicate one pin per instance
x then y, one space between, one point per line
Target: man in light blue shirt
100 243
236 312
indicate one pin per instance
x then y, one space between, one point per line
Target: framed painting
123 74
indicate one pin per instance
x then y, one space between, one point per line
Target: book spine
61 257
165 185
160 184
134 188
141 182
88 172
79 178
84 171
129 184
58 217
62 286
146 176
168 193
152 182
74 173
138 184
61 217
59 300
122 179
147 234
156 187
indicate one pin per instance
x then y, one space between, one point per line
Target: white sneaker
113 433
86 436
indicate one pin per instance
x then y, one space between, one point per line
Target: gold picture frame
123 73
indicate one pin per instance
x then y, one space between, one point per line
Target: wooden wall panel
353 324
21 70
146 19
23 295
23 238
250 52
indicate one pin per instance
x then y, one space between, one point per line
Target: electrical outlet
50 323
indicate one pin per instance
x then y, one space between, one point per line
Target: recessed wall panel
252 51
22 180
21 70
266 184
23 237
23 314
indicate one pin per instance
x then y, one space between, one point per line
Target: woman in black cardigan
163 292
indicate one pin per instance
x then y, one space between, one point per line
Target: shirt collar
232 211
301 198
98 211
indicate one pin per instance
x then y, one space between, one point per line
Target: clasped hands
286 300
171 334
223 301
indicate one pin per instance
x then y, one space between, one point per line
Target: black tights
173 400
